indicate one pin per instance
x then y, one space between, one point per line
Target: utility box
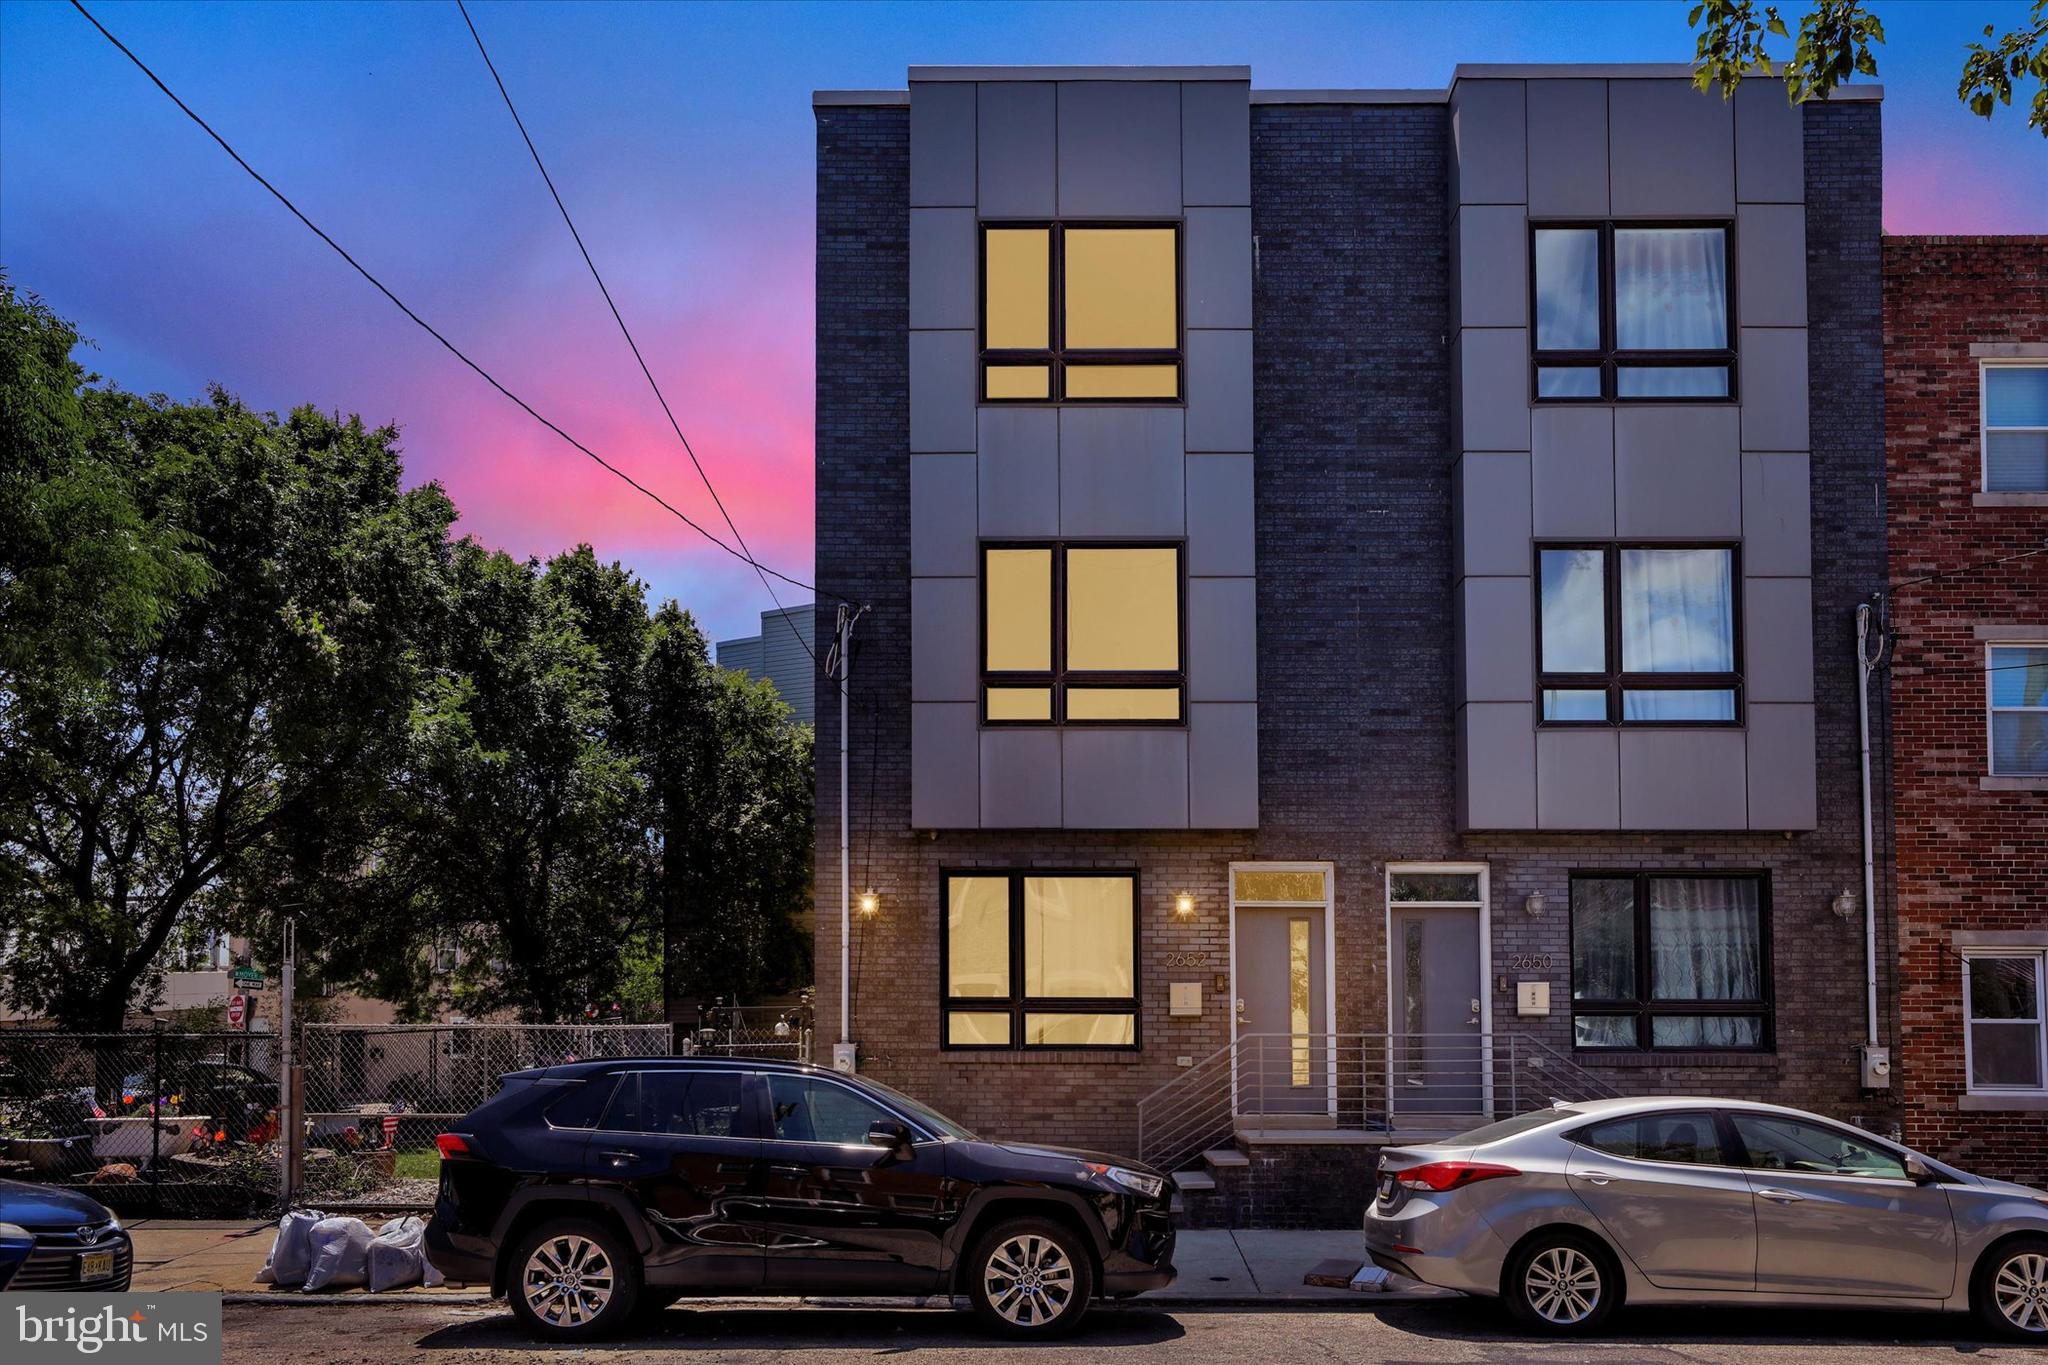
1877 1067
1532 997
1184 999
843 1055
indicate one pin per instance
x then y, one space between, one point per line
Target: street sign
247 978
238 1010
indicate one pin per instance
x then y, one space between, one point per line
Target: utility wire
426 326
626 331
1967 568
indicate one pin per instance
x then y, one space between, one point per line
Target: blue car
59 1239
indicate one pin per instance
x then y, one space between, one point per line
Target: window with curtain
1670 962
1631 312
1081 634
1080 312
2016 679
1637 635
1035 960
2015 428
2004 1014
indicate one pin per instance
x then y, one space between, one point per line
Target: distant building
781 653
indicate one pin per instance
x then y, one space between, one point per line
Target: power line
422 323
1968 568
624 330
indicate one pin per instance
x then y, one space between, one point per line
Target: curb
1164 1299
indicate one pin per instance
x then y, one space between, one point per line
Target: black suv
590 1191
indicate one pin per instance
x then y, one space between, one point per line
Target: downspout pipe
1866 664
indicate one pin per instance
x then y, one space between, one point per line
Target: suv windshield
923 1113
1507 1128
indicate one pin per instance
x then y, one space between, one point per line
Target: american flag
391 1130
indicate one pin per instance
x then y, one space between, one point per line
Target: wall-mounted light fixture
1845 904
1533 903
1183 905
870 903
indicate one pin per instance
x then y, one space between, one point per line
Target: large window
2005 1043
1040 960
1638 635
1671 962
1081 634
1632 312
2016 680
1080 313
2015 428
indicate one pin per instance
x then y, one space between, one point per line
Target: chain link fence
188 1124
146 1123
374 1099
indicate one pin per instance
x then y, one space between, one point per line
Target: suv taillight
452 1144
1440 1176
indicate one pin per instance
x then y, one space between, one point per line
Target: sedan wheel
1562 1284
2012 1291
1030 1278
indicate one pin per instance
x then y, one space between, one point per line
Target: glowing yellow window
1017 283
1123 610
1017 610
1122 289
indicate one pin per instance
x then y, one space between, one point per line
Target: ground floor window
2003 1020
1666 961
1036 959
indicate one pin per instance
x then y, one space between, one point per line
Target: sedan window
1687 1138
819 1111
1775 1143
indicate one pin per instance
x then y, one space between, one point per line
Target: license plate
1386 1187
96 1265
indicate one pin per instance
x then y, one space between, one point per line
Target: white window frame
1992 710
2039 954
1984 427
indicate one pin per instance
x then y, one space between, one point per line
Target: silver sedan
1570 1211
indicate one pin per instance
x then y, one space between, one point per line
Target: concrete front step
1223 1158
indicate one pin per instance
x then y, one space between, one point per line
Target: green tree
517 824
204 737
1835 42
730 777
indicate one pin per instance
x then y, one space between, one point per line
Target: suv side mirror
890 1134
1918 1171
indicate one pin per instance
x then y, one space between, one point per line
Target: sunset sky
682 139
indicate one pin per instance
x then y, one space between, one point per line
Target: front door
1283 1031
1437 1051
836 1214
1836 1214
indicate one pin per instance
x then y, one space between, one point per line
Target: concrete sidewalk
1216 1268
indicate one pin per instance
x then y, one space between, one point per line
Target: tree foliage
1835 42
245 673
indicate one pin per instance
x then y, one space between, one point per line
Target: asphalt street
1421 1334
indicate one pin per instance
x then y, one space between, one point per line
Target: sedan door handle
1595 1177
1781 1196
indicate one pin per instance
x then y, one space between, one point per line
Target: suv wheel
1030 1277
1562 1285
573 1280
2010 1292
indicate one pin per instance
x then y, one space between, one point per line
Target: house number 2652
1187 959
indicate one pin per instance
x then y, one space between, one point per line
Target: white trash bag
290 1257
398 1256
341 1250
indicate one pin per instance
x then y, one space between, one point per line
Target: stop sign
238 1009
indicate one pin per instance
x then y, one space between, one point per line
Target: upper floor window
2017 681
1632 312
1080 313
1081 634
1679 962
1040 961
2015 428
2004 1042
1637 635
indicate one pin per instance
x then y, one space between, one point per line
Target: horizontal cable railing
1395 1086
